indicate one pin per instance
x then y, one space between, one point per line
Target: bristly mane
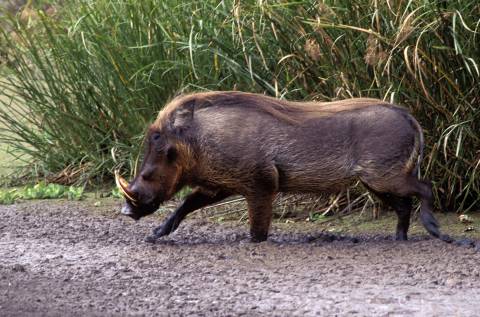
290 111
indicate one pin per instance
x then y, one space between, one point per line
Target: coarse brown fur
289 111
226 143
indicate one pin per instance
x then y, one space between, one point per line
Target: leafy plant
316 217
115 193
41 191
8 197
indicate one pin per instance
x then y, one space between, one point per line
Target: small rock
452 282
465 219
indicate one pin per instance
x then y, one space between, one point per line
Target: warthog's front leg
194 201
260 216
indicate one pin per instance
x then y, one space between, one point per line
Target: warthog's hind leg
398 192
403 208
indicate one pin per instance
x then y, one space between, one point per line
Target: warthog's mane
289 111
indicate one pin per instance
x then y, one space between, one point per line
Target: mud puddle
67 259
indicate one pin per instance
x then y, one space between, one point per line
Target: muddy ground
62 258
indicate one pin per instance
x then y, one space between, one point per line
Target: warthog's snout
128 211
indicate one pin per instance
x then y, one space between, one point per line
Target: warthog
235 143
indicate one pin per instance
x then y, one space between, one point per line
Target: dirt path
65 259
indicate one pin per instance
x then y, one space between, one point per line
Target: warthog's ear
181 119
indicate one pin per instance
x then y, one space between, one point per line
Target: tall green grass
87 82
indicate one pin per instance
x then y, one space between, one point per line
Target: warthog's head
156 181
160 176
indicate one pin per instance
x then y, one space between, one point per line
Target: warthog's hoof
151 239
258 238
446 238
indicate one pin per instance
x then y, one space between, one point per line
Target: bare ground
68 259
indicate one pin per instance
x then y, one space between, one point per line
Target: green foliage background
86 81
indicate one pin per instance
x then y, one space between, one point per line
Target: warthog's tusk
122 185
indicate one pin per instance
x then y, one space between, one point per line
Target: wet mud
62 258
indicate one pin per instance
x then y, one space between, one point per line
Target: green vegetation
85 83
41 191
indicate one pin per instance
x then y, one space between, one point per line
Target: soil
61 258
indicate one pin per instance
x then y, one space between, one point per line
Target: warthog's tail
416 157
426 216
432 226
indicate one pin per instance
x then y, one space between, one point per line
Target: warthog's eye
156 136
